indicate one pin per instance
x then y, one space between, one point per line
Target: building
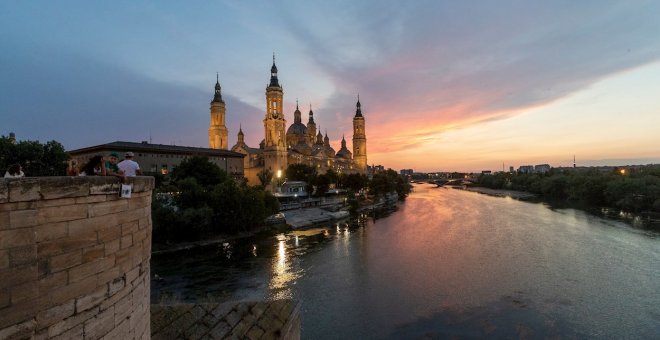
406 172
159 158
297 144
542 168
526 169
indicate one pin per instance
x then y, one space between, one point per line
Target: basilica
299 144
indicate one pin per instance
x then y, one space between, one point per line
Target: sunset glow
444 86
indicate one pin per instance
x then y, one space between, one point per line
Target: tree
201 169
300 172
355 182
265 176
37 159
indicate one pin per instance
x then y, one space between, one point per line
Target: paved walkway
245 320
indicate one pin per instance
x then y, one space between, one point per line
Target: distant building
375 168
159 158
511 170
486 172
526 169
542 168
406 172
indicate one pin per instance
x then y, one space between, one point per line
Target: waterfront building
542 168
526 169
299 144
159 158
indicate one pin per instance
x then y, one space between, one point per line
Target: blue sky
440 82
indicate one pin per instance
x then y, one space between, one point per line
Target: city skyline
443 86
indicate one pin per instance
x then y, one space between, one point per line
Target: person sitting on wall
94 167
111 168
14 171
130 167
72 168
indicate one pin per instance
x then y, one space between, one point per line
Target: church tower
359 140
217 129
311 128
275 152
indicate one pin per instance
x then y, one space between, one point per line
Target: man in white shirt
130 167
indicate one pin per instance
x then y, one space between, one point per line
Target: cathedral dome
344 153
329 151
298 129
302 148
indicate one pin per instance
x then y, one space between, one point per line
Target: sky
444 85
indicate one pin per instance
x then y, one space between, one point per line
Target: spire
343 142
217 97
311 114
326 140
273 74
358 108
241 136
297 115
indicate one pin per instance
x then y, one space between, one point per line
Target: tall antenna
574 161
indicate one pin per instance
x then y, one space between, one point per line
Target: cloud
441 66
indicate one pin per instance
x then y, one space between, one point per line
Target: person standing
111 167
94 167
130 167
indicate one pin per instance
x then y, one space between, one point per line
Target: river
446 263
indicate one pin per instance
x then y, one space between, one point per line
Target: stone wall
74 258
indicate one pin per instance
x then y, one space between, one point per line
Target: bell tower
217 130
275 152
359 140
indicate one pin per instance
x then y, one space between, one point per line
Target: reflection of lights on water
338 230
326 233
281 259
254 250
297 244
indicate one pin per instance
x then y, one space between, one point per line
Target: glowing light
623 172
279 173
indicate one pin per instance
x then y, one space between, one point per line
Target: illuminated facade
299 144
217 130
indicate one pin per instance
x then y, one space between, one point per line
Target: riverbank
521 195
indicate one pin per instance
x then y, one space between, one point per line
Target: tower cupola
273 75
358 108
217 97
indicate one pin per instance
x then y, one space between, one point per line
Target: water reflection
447 263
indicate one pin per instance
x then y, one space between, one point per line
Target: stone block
51 281
64 245
93 252
24 292
4 220
5 298
4 191
107 276
18 313
70 291
71 322
65 261
63 187
129 228
126 241
24 189
18 275
50 231
62 213
103 186
118 296
74 333
123 310
255 333
91 199
91 299
108 207
121 331
116 285
23 218
90 268
55 202
23 255
23 330
49 316
109 232
4 259
111 247
139 202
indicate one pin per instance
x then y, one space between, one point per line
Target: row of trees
635 190
201 200
380 184
37 159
